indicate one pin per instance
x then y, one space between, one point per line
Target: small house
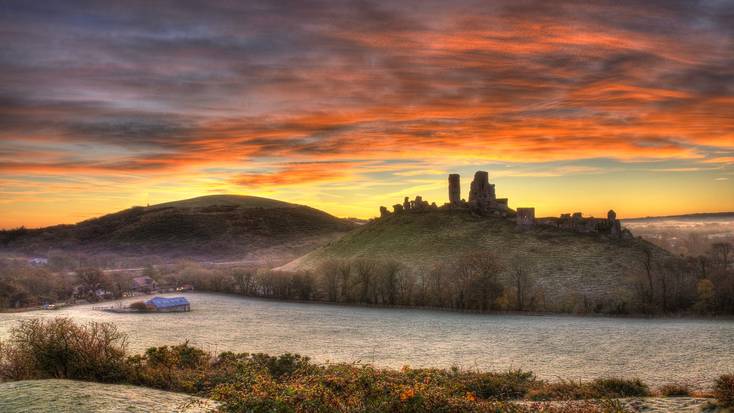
38 261
144 284
168 305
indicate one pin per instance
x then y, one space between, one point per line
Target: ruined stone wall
481 194
454 189
525 217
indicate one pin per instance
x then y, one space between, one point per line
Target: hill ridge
202 227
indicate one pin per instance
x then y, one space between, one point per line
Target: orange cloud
296 174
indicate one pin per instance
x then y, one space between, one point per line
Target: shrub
60 348
291 383
675 390
563 390
279 366
724 390
616 387
500 386
139 306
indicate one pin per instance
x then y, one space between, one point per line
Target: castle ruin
454 189
483 201
525 217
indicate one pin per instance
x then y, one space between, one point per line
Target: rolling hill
564 264
209 227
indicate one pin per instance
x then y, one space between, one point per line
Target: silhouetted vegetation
245 382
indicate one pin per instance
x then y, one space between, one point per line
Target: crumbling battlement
483 201
578 223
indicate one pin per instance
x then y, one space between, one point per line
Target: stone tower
454 189
482 193
525 217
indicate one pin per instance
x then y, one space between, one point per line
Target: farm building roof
143 281
163 302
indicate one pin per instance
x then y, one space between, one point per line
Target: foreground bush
597 389
724 390
675 390
245 382
616 387
62 349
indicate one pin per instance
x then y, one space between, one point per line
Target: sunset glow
570 106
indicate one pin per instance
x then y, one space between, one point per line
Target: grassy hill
205 227
67 396
564 265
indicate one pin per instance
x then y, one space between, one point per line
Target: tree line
473 282
480 282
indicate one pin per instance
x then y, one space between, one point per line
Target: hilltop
568 260
217 226
566 265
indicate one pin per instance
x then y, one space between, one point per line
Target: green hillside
564 265
216 226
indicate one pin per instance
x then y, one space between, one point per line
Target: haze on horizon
346 106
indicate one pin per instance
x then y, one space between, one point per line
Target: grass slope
210 226
564 264
67 396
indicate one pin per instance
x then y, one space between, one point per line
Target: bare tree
345 273
244 280
475 281
390 278
91 280
721 251
330 278
647 264
522 282
365 270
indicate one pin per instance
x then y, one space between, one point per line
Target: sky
349 105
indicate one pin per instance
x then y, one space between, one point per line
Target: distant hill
208 227
566 265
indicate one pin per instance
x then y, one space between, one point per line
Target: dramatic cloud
256 95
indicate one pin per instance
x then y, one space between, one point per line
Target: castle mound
209 227
566 267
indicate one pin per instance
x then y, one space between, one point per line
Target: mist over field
689 236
